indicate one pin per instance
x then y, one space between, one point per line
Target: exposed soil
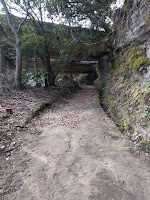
18 108
21 104
80 154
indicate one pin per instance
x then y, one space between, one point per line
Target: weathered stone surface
127 91
132 23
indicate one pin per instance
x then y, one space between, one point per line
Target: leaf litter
22 103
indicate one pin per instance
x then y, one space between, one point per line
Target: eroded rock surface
132 23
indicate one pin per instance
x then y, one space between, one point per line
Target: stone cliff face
132 23
132 26
127 88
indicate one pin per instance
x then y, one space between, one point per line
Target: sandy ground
79 155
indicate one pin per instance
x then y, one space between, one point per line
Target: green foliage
30 41
79 11
26 76
65 45
4 23
68 47
71 41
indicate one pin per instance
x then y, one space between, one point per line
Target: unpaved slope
80 155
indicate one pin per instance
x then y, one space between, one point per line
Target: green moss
147 19
39 107
125 6
109 101
133 59
144 145
126 96
139 62
126 125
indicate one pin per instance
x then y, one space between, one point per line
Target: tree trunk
48 67
16 44
2 59
18 66
35 67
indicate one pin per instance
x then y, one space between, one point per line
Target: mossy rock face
134 59
126 94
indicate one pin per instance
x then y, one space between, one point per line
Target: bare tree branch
8 16
68 18
5 37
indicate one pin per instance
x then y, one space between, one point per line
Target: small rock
2 147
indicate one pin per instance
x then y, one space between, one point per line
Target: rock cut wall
127 89
132 23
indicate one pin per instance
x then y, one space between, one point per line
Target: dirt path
80 155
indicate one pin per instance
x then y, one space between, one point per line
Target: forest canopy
67 37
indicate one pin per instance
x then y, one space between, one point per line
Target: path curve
80 155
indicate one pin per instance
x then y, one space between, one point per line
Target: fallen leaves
14 110
69 118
